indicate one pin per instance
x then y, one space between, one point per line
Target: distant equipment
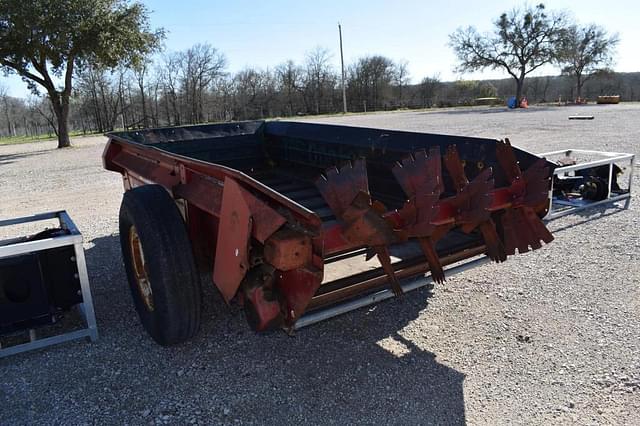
41 277
609 99
585 179
581 117
488 101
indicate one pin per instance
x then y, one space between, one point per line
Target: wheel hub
139 269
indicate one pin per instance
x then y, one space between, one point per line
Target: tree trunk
579 87
143 99
519 86
6 114
60 104
547 80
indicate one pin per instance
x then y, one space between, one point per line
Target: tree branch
23 72
42 69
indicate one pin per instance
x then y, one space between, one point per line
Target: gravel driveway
547 337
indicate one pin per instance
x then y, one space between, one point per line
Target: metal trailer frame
74 238
572 206
297 238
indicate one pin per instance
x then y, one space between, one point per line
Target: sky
265 33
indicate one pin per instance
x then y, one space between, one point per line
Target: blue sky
266 33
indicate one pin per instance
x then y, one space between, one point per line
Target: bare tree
140 72
290 84
523 40
4 98
369 81
401 79
170 69
320 78
429 87
586 51
199 66
247 89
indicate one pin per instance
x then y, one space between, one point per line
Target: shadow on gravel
594 213
10 158
488 110
361 367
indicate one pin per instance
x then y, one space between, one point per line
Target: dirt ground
549 337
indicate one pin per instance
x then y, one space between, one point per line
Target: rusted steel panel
473 202
111 149
346 190
203 227
262 305
146 169
288 249
241 216
339 187
421 179
522 227
266 220
232 246
297 288
202 191
333 240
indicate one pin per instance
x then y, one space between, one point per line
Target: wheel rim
139 270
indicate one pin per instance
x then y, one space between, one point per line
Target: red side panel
242 216
232 247
266 220
298 287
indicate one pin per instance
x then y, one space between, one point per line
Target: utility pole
344 90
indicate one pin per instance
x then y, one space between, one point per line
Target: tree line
116 101
97 84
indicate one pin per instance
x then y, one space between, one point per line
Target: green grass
14 140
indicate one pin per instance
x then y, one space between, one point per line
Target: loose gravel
549 337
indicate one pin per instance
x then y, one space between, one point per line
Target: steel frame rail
74 238
567 207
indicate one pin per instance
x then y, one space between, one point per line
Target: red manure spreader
299 222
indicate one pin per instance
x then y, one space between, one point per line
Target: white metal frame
74 238
563 207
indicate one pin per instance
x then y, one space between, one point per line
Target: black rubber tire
169 264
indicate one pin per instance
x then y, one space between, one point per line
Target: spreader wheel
160 267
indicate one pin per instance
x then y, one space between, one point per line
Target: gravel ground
547 337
